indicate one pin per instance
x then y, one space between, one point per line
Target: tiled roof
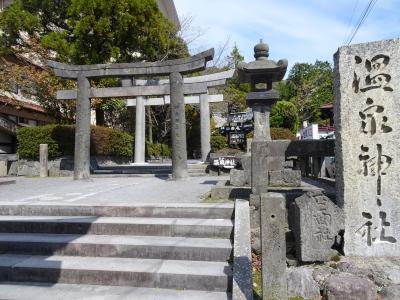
24 104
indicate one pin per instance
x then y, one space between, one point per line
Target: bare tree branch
221 53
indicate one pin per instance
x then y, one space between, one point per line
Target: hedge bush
30 138
218 142
61 140
282 134
157 151
277 134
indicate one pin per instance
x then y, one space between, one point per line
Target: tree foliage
91 31
284 114
235 92
308 87
31 80
85 32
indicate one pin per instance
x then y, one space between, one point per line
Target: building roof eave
168 9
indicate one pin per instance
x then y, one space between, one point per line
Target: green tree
234 58
88 32
308 87
284 114
235 92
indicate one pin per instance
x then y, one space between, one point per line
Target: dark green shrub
158 150
284 114
65 137
277 134
29 139
119 141
218 142
100 141
282 134
61 141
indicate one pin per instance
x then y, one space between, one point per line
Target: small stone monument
367 110
317 224
44 157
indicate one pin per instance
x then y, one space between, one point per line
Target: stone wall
58 167
63 166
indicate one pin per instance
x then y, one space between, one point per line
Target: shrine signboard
225 162
367 108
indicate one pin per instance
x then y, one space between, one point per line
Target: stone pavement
106 191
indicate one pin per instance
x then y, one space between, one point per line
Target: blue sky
299 30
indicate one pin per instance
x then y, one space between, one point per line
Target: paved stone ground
106 191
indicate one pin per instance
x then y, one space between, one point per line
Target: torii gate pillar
82 130
178 118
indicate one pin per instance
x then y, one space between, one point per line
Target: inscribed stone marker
317 223
367 93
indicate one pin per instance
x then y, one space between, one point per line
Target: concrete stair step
150 273
30 291
197 167
132 172
197 174
184 227
178 248
7 180
154 210
110 175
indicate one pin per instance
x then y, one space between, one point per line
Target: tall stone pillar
273 246
178 118
140 130
205 127
82 130
367 92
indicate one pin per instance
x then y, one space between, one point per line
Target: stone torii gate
176 88
211 81
205 126
197 86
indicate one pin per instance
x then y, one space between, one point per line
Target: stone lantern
261 74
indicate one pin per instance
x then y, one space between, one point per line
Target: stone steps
141 250
177 248
154 273
157 170
199 228
153 210
29 291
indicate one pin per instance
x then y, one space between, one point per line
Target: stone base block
286 177
237 177
350 287
227 192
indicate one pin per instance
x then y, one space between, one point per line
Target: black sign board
225 162
237 138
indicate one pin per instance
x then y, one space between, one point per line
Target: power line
364 15
361 21
350 22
